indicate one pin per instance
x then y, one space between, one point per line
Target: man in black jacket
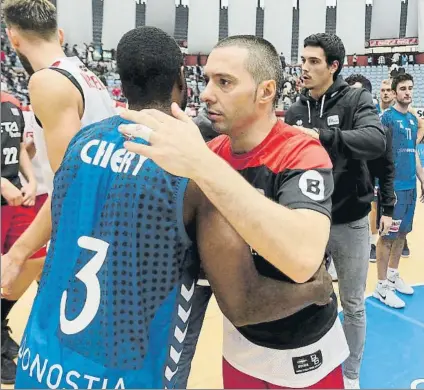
346 122
382 168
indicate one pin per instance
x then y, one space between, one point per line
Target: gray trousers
350 247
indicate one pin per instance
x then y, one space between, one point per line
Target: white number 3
87 275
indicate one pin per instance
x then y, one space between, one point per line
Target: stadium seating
376 74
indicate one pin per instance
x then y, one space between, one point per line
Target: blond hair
37 17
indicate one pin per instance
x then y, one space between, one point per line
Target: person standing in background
346 122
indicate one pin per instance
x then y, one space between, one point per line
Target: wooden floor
206 368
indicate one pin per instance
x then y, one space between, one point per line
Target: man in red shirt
287 229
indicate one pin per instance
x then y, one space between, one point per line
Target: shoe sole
380 298
405 293
405 256
373 260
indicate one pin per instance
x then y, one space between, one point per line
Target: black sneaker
373 254
8 371
9 347
406 252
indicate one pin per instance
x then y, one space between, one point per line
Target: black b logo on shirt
311 183
312 186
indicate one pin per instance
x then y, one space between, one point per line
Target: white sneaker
332 271
387 295
351 383
397 283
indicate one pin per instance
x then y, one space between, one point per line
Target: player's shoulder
298 150
50 85
413 116
387 114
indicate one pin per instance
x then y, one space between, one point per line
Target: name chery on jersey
102 153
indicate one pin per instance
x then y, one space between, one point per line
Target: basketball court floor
394 351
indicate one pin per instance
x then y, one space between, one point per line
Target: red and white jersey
33 133
98 104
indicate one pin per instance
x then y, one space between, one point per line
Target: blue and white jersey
114 300
404 130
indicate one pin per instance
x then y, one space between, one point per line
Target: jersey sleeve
306 182
385 118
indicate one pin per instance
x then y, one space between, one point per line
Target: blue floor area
394 349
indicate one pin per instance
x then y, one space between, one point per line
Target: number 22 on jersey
87 275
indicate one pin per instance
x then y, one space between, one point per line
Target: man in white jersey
65 96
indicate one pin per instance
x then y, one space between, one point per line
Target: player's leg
409 198
349 246
406 252
383 292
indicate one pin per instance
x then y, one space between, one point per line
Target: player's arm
292 234
244 296
11 193
58 106
30 189
420 124
384 169
365 141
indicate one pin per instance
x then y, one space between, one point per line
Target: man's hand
176 144
385 224
29 192
310 132
10 270
11 193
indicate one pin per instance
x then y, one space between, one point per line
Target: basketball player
17 212
288 227
382 176
386 96
387 100
346 122
404 127
64 96
120 275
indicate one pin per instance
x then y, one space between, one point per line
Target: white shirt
98 103
277 366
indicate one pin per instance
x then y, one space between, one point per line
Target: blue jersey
114 300
405 131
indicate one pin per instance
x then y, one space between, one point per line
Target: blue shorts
403 214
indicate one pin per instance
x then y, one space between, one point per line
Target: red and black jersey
293 169
12 131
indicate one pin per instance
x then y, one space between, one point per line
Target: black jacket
351 132
383 169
